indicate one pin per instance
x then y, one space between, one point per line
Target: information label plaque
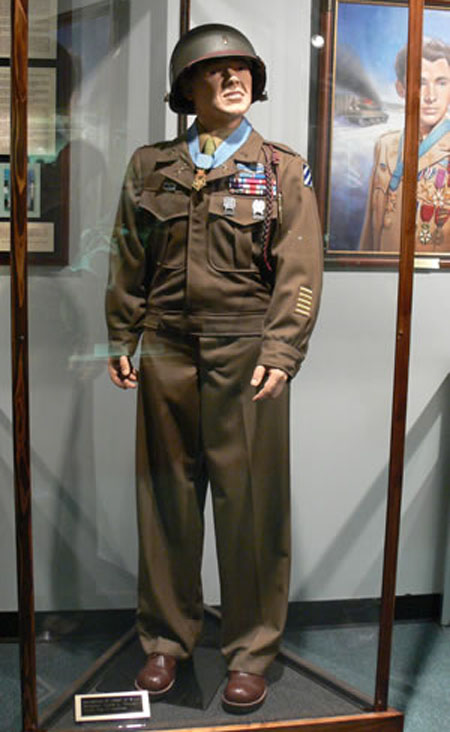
109 707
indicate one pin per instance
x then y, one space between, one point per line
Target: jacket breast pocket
235 232
167 215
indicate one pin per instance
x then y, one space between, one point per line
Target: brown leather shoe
158 675
244 692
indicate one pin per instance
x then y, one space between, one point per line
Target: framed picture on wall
362 162
50 76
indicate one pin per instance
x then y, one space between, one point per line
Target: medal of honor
199 181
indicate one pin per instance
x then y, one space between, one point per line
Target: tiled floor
420 671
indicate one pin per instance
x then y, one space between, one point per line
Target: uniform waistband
207 324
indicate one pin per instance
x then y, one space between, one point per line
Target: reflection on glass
85 542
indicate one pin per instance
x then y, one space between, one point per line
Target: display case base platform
300 696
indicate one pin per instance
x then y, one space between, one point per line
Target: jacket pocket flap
164 205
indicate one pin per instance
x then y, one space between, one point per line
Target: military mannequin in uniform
382 224
216 266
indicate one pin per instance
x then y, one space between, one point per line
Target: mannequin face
221 90
434 94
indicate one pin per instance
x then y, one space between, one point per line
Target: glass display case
97 78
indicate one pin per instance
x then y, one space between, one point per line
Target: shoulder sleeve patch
307 176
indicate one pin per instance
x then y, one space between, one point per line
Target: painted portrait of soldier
382 224
366 167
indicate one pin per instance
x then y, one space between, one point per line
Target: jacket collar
250 151
175 162
439 151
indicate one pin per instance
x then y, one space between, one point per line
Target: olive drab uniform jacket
382 225
191 260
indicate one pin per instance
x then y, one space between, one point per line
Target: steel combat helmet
211 41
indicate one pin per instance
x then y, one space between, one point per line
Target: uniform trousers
197 425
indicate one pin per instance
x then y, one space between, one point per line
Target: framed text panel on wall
49 88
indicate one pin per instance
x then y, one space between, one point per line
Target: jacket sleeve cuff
123 345
280 355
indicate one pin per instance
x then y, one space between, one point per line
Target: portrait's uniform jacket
382 225
187 274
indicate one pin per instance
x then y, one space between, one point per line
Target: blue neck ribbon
225 150
424 146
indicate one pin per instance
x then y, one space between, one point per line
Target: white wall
342 433
83 428
281 38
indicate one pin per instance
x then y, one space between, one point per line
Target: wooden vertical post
19 341
403 333
185 14
185 17
324 110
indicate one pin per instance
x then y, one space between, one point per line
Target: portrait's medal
441 213
426 211
439 180
439 192
390 208
441 217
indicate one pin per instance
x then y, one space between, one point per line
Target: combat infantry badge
229 205
258 208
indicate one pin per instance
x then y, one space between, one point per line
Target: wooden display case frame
379 717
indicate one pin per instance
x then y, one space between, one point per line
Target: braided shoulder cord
271 163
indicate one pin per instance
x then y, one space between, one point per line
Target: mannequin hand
122 372
273 381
